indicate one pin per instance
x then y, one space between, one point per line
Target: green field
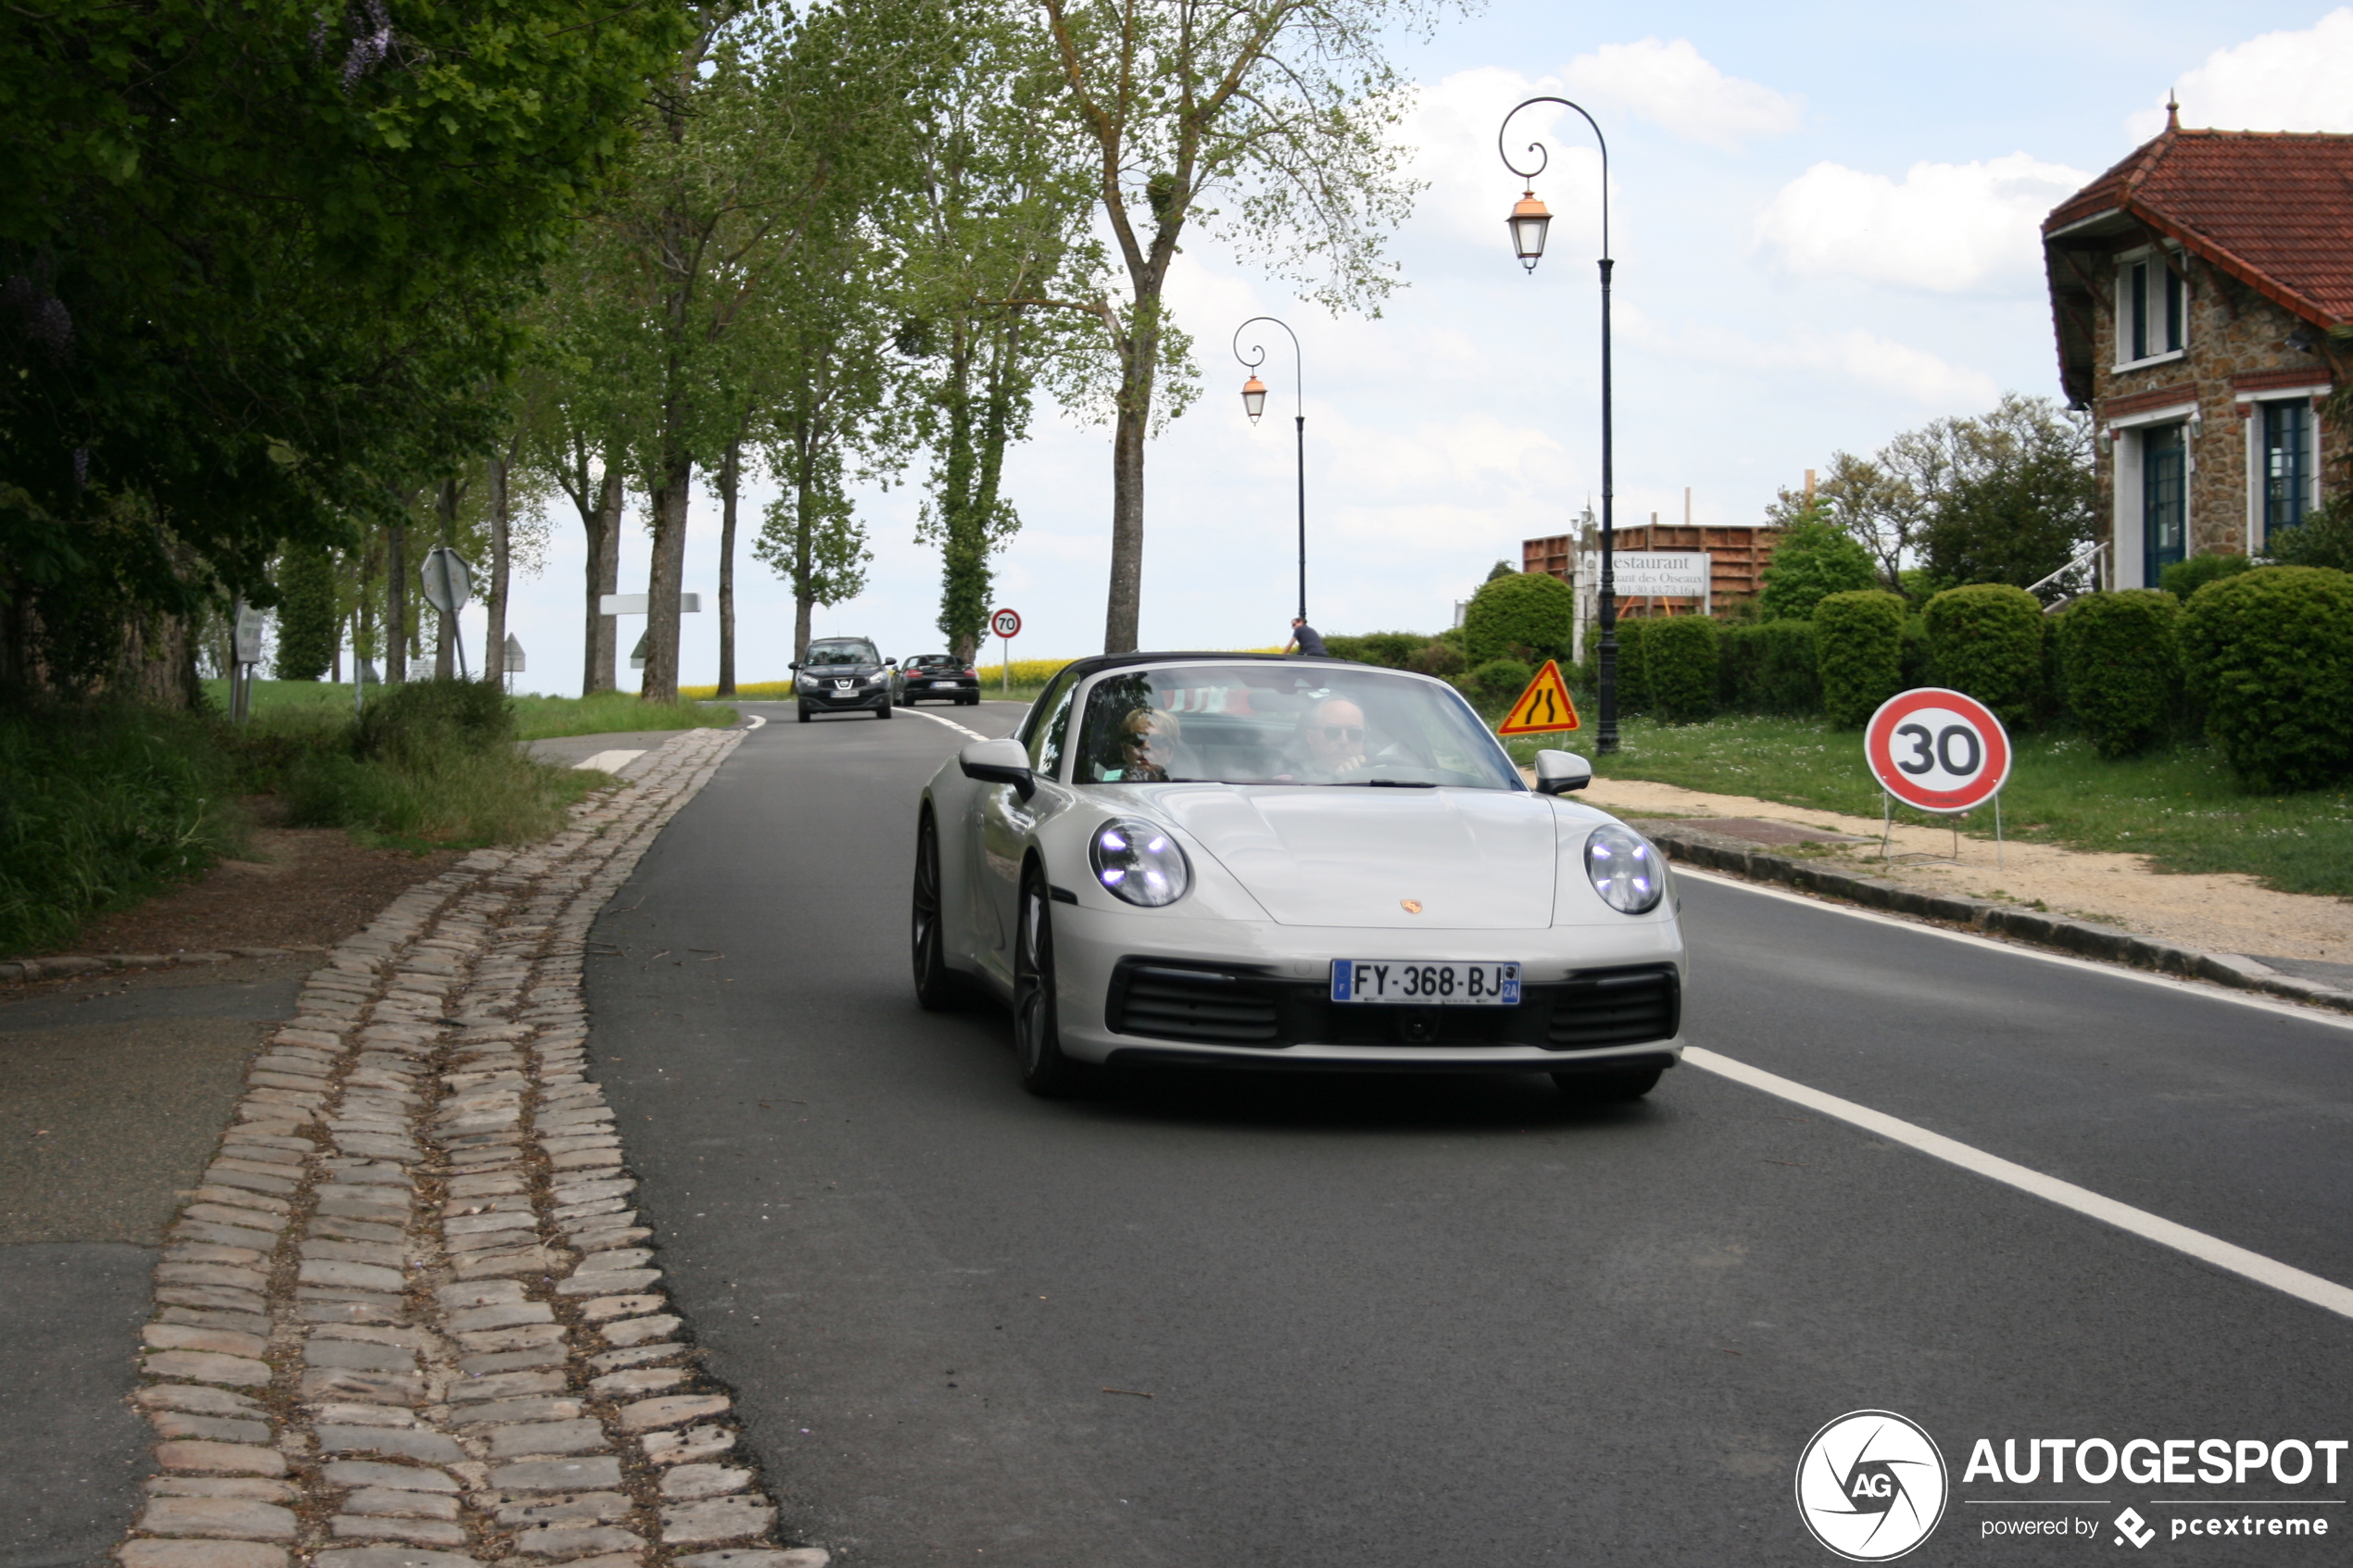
2180 808
536 718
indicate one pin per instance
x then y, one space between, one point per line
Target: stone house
2202 291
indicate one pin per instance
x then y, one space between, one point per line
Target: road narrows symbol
1543 708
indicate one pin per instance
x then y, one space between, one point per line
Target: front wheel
1045 1071
1603 1088
884 711
804 712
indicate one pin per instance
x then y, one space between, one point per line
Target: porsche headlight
1624 869
1141 863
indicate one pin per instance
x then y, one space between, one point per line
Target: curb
95 964
1736 857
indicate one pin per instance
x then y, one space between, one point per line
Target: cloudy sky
1824 219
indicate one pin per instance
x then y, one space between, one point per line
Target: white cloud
1949 228
1452 131
2276 81
1678 90
1851 354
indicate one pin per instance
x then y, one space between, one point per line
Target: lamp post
1254 404
1528 222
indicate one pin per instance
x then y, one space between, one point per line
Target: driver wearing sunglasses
1331 740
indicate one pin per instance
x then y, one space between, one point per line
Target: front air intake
1203 1006
1626 1008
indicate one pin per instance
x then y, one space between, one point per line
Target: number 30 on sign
1937 751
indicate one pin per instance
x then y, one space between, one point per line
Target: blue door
2164 500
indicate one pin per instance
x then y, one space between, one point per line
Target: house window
2164 499
2154 309
2287 464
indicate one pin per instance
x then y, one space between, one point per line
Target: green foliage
1769 667
2011 495
2119 664
422 718
1500 569
1633 674
1501 680
1523 615
2182 578
1682 658
307 630
99 806
1986 641
1438 656
1813 560
2270 653
2323 538
1393 649
1859 649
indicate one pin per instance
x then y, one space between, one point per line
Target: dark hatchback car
937 677
843 675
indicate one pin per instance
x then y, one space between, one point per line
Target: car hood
1475 860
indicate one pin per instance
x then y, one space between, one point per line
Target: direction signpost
245 640
1006 624
448 585
1941 751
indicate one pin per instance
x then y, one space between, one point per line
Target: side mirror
891 661
794 666
1557 773
1000 761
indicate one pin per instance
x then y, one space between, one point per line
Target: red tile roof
2273 210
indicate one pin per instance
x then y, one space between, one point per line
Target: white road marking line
2283 1277
754 721
609 761
950 723
2205 988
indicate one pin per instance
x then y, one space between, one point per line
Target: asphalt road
1410 1322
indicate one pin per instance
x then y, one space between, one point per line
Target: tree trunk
803 551
494 639
604 641
662 584
443 669
1138 357
730 477
397 598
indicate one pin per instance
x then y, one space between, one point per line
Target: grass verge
2180 808
536 718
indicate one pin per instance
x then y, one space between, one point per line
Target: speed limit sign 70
1005 624
1937 751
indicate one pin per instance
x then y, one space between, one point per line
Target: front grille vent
1197 1005
1624 1008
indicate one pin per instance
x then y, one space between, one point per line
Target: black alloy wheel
1601 1088
937 989
1045 1072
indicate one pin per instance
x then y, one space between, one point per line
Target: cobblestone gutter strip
2085 938
410 1319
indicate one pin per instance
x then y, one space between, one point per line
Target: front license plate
1400 983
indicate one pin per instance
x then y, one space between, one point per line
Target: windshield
843 651
1284 723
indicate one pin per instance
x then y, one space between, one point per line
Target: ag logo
1870 1485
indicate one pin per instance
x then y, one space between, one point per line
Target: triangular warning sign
1543 708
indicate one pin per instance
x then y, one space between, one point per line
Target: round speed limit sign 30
1937 751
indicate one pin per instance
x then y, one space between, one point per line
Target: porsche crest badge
1411 906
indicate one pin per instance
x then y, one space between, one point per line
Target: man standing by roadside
1305 639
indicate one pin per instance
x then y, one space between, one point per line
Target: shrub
1633 683
2270 652
1394 649
1441 659
1769 666
1986 640
1501 680
2119 664
1813 560
2186 577
1522 615
1682 658
1859 641
1916 659
2323 538
419 718
306 629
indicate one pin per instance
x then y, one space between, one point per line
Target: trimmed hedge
1682 660
1769 666
2186 577
1501 680
1633 675
2119 665
1859 641
1986 640
1523 615
2270 653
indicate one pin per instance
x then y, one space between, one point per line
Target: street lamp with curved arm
1528 222
1254 404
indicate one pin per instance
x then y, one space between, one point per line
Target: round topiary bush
2119 662
1524 615
1858 646
1986 640
2270 655
1501 680
1682 656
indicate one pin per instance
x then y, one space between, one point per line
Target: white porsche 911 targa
1243 860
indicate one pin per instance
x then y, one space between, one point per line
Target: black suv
840 675
934 677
